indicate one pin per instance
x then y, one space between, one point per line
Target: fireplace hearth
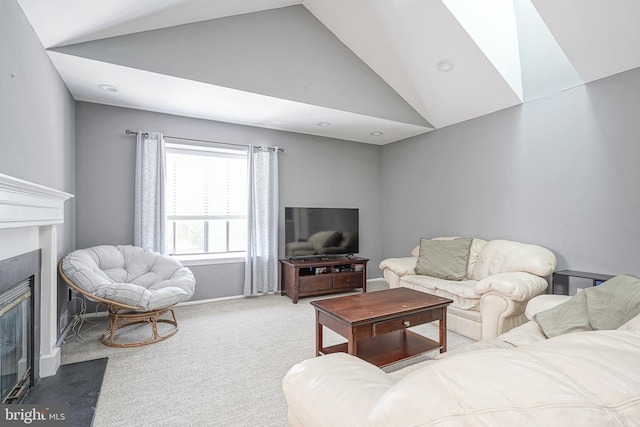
19 320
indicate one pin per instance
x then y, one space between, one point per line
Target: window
206 200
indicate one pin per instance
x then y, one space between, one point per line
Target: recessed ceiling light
324 124
444 65
108 88
376 133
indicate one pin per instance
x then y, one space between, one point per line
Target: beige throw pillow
444 259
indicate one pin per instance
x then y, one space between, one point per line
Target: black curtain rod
146 135
132 132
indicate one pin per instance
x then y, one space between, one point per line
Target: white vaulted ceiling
399 68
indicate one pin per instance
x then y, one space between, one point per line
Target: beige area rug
224 367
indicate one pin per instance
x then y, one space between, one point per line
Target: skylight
517 41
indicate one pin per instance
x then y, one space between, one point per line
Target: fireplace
30 215
19 318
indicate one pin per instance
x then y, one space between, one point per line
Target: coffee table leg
318 334
443 331
352 345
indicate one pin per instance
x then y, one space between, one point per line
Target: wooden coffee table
375 324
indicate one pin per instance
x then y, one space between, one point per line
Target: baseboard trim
206 301
49 363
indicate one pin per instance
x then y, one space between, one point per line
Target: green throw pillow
444 259
607 307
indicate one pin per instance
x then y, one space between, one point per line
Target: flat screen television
321 232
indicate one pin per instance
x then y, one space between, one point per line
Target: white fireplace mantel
28 215
25 204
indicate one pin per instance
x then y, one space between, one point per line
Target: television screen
321 231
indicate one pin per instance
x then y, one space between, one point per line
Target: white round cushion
130 275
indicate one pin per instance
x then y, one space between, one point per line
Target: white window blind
206 196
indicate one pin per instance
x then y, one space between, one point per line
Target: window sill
208 259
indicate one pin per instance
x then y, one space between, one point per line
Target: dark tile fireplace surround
17 273
77 385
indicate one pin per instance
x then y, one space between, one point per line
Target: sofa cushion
462 293
631 325
477 245
487 344
444 259
589 378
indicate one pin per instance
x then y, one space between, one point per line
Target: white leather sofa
520 378
501 276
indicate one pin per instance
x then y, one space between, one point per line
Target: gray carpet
223 368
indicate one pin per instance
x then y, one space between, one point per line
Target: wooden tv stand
318 276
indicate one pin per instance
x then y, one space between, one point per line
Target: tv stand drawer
347 280
315 283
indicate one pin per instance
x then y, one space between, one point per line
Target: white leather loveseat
500 277
582 378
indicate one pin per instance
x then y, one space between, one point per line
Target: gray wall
314 171
36 118
561 172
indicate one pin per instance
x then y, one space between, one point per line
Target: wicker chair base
119 320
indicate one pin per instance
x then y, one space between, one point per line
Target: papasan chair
137 285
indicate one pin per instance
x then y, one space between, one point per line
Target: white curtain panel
150 214
261 267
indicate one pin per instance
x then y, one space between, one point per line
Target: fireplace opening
16 342
19 325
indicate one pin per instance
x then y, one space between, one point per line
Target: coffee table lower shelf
388 348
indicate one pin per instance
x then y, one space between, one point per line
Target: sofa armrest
542 303
400 266
333 390
518 286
